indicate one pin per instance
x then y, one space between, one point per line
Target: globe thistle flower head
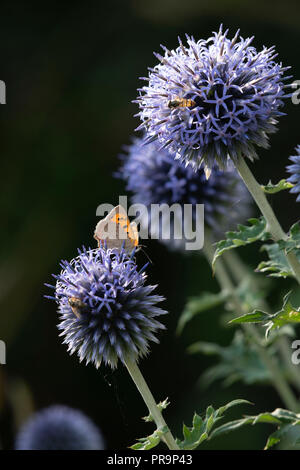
107 312
153 176
214 98
59 428
294 169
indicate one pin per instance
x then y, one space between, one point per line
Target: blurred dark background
71 72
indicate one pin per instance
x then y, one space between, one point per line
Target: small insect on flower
77 306
116 231
208 100
181 103
107 311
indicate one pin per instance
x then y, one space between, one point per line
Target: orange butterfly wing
116 230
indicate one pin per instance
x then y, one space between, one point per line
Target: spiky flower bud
213 98
59 428
106 310
153 176
294 169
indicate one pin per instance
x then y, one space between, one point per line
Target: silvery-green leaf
237 362
245 235
277 266
285 420
286 315
196 305
293 240
162 405
275 188
201 428
147 443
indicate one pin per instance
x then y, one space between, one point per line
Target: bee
181 103
77 306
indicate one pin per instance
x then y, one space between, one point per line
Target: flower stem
147 396
227 285
273 225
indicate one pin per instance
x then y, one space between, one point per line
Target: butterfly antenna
146 254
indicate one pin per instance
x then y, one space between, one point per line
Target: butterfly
116 231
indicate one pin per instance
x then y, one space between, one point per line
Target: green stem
273 225
226 284
238 269
147 396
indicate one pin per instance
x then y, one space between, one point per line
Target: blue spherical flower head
294 169
213 99
59 428
155 177
106 310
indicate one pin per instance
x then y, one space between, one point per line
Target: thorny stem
147 396
273 225
227 285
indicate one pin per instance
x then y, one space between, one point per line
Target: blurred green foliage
71 71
